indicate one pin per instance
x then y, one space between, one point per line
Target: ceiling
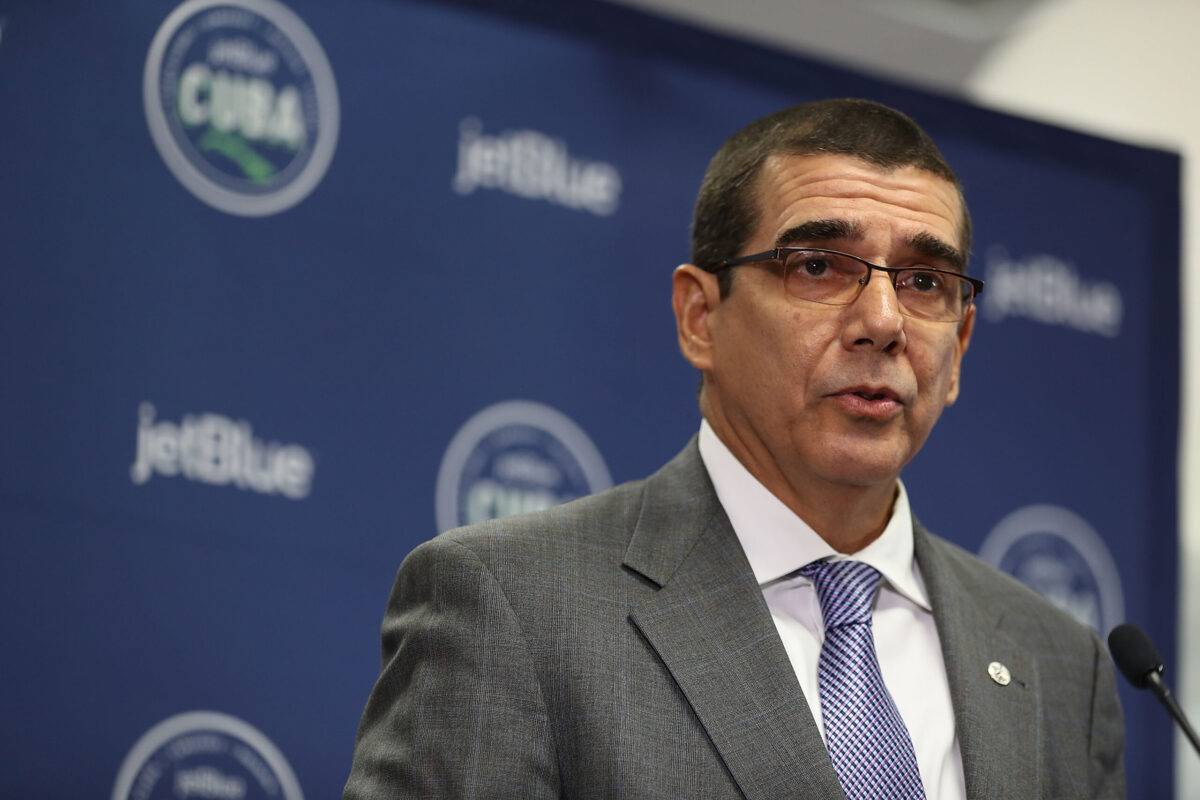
935 44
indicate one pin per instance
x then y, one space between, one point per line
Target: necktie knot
845 589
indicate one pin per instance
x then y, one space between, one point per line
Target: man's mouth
873 394
873 402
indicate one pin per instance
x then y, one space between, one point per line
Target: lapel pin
999 673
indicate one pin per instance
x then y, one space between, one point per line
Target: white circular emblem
514 457
241 104
1055 552
205 754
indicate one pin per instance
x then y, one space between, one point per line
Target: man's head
726 206
809 394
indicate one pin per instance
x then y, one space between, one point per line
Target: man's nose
874 320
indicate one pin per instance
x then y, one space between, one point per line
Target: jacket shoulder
1021 605
602 522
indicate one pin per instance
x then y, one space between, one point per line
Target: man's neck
847 517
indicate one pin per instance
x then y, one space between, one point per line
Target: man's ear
694 295
965 328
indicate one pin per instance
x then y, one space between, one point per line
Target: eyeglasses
837 279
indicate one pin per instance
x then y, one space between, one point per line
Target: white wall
1124 70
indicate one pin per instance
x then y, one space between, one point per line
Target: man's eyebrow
820 230
931 247
924 243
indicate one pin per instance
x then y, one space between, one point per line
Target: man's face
796 383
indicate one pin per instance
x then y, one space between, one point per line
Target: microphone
1141 664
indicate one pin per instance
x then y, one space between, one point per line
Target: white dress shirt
777 543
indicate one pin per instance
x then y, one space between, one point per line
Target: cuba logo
241 104
1055 552
515 457
205 754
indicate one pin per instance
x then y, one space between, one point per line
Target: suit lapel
997 725
711 627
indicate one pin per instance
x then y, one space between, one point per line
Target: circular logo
1055 552
205 754
514 457
241 104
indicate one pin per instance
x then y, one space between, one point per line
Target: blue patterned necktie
867 741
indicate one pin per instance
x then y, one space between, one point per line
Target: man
763 617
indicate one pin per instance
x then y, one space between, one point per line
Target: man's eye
816 267
924 281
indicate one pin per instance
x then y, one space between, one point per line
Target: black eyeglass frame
780 255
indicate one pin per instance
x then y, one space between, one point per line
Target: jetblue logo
1047 289
515 457
534 166
219 451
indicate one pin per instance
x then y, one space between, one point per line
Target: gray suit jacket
619 647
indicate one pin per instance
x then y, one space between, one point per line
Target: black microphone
1141 664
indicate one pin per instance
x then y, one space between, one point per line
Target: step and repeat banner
292 287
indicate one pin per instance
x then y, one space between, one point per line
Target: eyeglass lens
834 279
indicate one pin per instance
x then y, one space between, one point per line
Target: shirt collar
777 542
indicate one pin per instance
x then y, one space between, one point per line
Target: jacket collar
710 626
998 732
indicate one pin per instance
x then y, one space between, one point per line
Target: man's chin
864 467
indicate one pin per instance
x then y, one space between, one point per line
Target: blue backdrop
289 288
